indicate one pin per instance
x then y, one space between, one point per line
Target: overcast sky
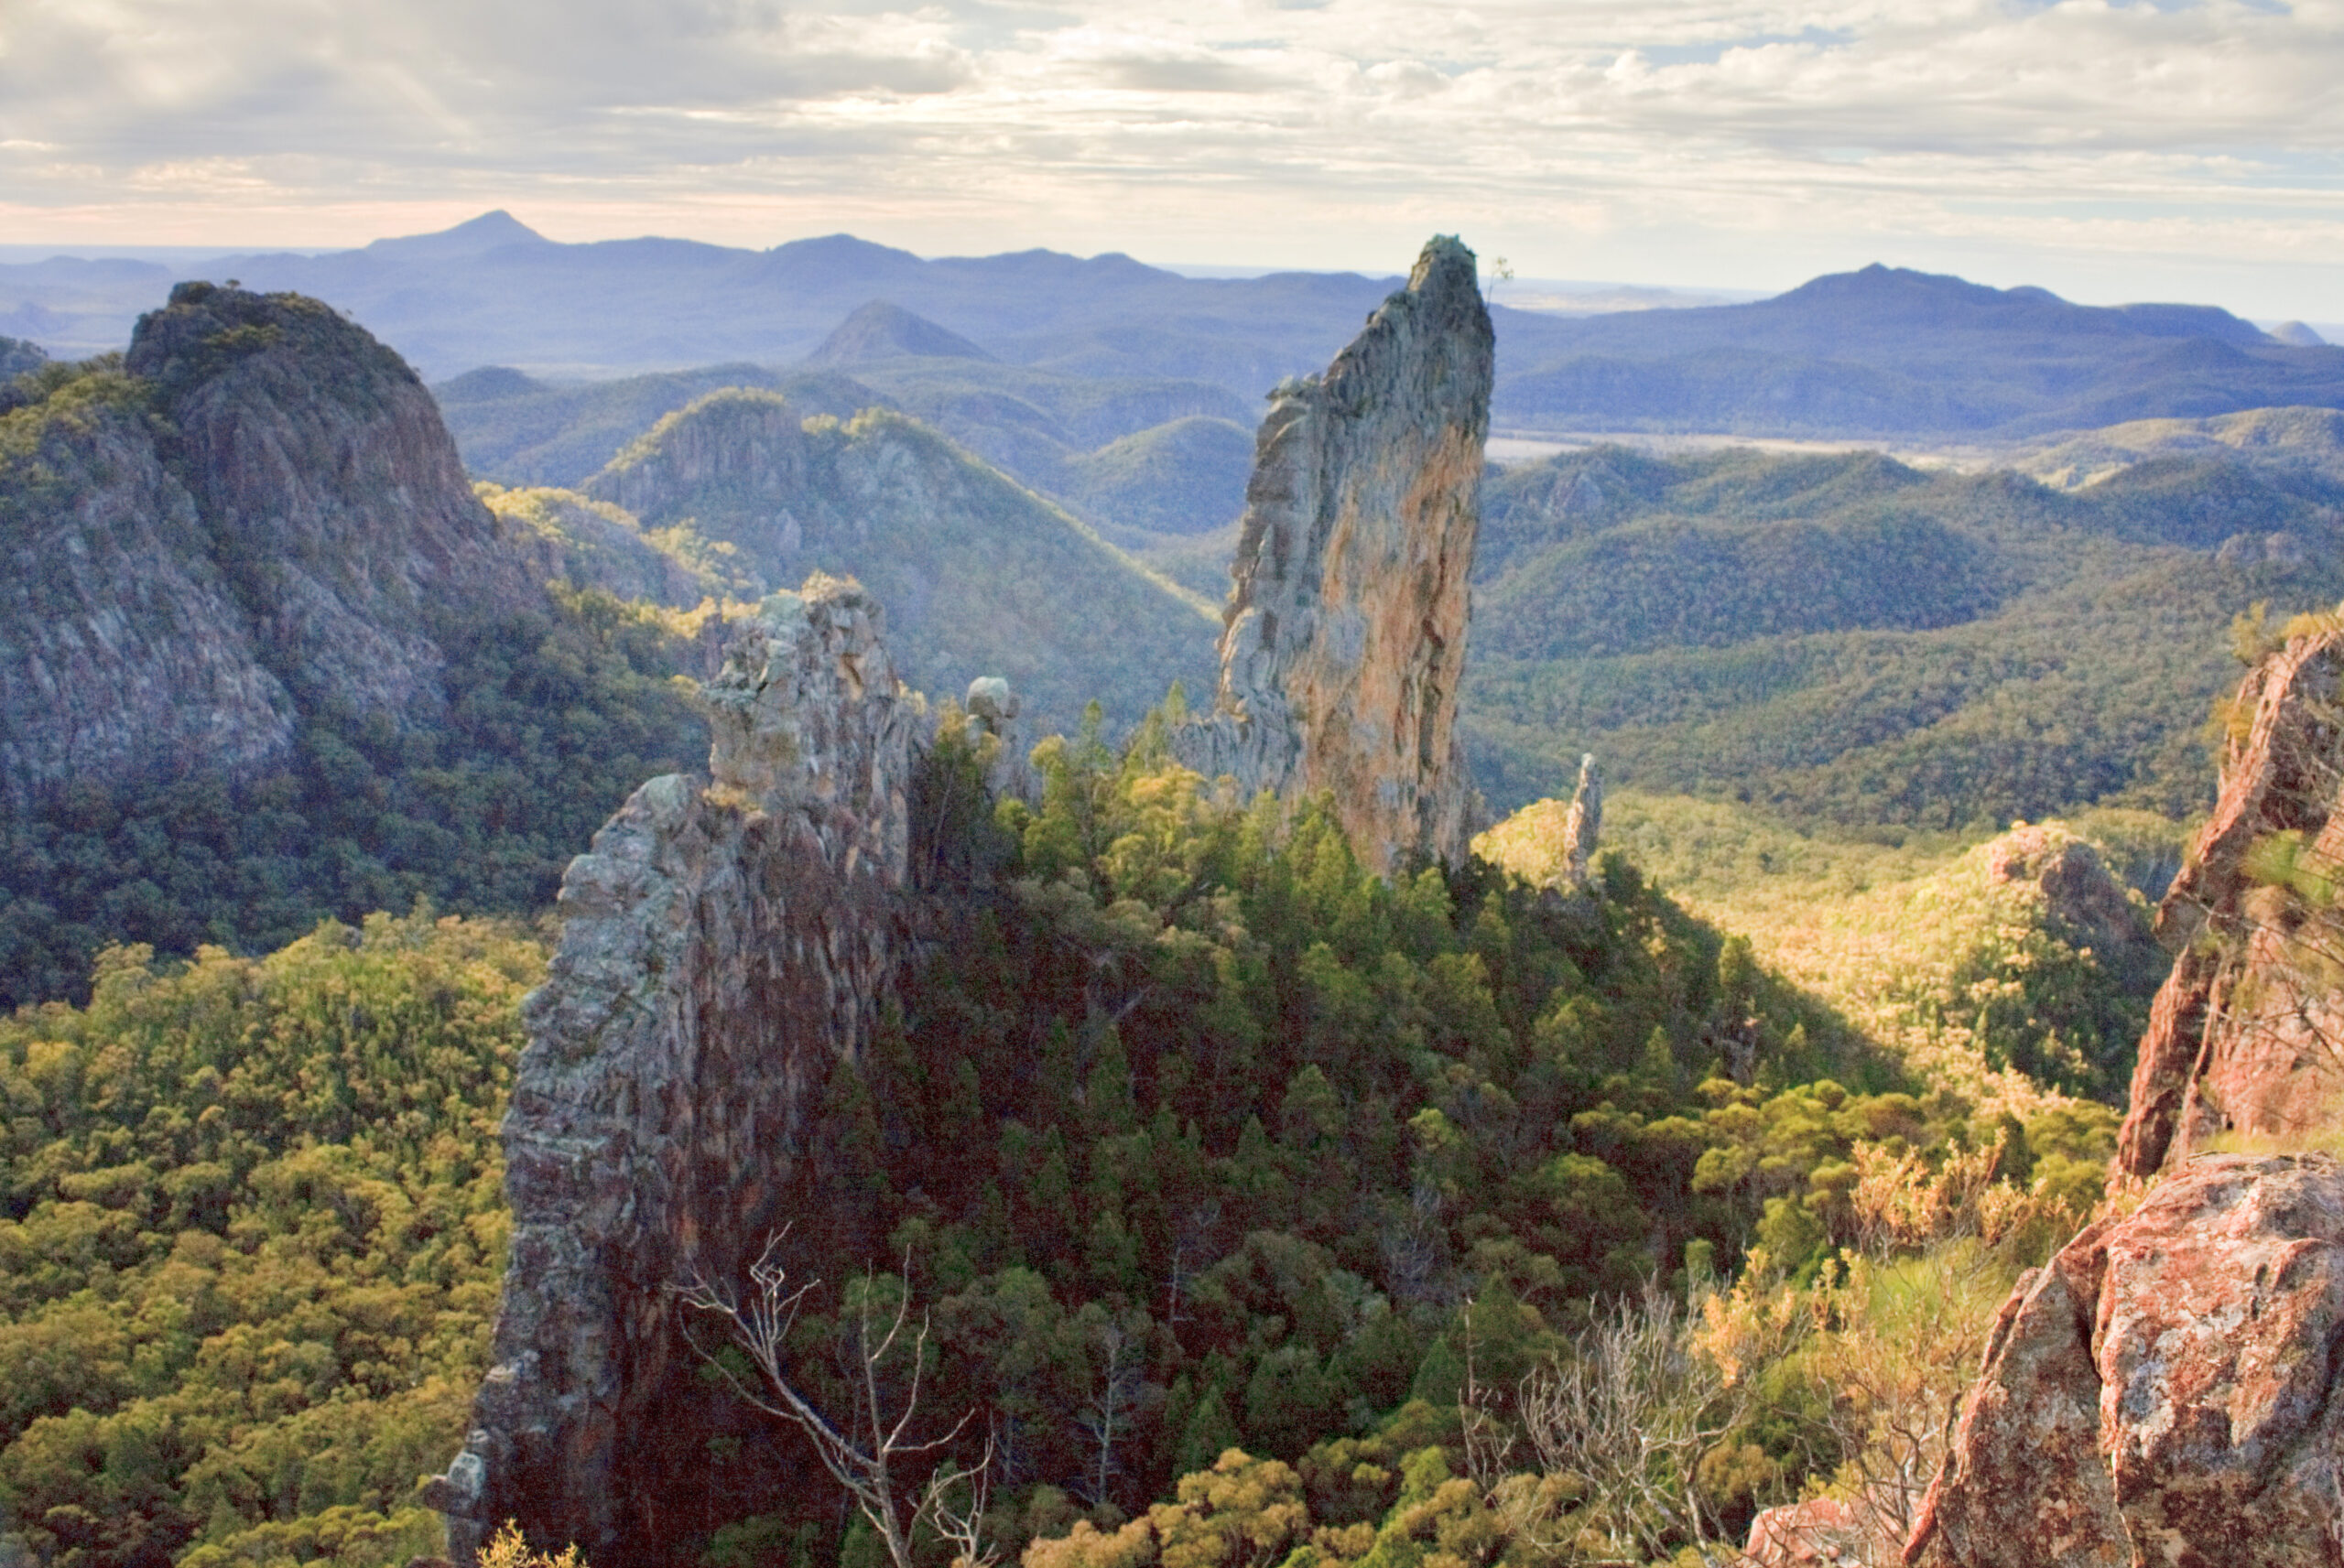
2110 151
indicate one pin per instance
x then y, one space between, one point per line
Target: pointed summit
474 237
882 331
1345 638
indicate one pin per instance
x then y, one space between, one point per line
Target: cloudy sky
2112 151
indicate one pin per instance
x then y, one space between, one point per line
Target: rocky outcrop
1582 824
260 510
727 940
2247 1032
2164 1393
124 648
1344 642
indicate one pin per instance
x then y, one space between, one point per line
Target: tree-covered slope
1845 639
978 575
251 1228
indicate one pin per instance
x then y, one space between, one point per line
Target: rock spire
725 942
1344 642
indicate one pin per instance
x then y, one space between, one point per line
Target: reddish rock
2238 1038
1821 1533
2163 1392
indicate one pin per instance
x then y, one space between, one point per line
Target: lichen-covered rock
1344 643
2164 1393
725 942
2245 1033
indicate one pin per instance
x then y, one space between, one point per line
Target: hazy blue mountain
880 330
1887 351
1877 352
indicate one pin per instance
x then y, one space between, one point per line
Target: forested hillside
1193 1135
1844 638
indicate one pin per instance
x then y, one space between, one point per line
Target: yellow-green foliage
1910 938
250 1237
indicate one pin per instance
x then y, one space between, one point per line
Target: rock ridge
2246 1032
1343 645
727 940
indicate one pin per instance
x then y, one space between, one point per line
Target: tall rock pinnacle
1345 639
725 942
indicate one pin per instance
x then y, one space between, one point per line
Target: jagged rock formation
2247 1032
1582 824
260 510
1344 643
2163 1392
725 942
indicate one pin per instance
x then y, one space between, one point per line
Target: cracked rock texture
725 941
259 511
2245 1033
2163 1395
1344 642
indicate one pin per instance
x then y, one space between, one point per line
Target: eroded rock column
1344 644
725 941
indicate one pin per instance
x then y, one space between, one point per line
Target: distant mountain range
1876 353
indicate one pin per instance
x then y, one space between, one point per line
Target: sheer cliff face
261 509
123 646
2247 1032
1345 639
725 942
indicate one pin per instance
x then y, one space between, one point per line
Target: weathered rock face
726 941
123 646
331 488
260 509
1345 639
2164 1393
2248 1030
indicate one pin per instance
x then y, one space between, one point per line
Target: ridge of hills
1875 352
1845 640
981 575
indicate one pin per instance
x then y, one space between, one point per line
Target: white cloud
1581 136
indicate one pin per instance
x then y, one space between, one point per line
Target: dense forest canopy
1190 1135
1846 641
